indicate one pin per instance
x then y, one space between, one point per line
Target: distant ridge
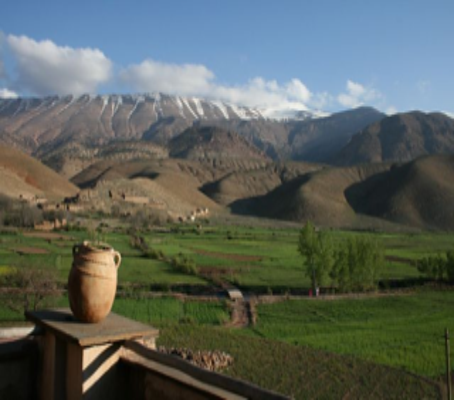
400 138
56 129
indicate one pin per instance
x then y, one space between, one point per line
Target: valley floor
382 345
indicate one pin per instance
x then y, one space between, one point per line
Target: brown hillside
244 184
209 143
169 184
21 174
318 197
400 138
70 159
419 193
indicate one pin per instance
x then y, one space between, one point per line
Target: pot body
92 281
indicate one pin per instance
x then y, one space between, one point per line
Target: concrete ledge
20 332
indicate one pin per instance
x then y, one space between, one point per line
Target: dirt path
30 250
239 316
243 312
47 235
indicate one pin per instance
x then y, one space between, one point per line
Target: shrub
438 267
450 265
154 254
183 263
433 267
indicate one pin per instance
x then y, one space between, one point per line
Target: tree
340 272
357 264
29 288
317 249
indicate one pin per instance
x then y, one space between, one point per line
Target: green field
404 331
301 372
357 348
157 311
252 258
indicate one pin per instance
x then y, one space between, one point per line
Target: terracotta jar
92 281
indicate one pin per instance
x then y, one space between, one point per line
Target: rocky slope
210 143
56 129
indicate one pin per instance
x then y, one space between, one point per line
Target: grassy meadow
252 258
404 331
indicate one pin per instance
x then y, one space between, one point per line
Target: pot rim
96 246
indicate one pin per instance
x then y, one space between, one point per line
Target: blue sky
329 55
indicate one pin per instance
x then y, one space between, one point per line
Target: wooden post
448 364
48 368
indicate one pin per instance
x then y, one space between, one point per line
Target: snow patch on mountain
139 99
188 108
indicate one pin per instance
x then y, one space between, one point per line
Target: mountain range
81 127
354 169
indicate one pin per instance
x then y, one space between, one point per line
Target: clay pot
92 281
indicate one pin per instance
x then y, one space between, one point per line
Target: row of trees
352 266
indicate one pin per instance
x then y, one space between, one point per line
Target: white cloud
357 95
150 76
321 100
198 81
7 94
449 114
44 68
355 89
298 91
391 110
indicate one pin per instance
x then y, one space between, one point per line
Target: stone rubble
211 360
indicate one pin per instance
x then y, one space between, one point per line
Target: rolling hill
399 138
22 175
419 194
168 185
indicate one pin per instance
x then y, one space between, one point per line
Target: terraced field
373 346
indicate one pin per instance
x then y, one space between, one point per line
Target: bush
433 267
438 267
154 254
450 265
184 264
139 243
